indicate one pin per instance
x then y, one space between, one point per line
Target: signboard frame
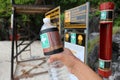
69 25
76 21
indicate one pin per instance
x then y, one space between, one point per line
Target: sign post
105 51
76 31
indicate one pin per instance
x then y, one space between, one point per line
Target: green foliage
92 43
24 1
5 8
97 13
62 17
67 1
25 17
116 29
94 14
67 4
94 2
117 21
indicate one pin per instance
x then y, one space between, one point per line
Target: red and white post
105 51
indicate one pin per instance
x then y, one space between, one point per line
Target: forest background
6 11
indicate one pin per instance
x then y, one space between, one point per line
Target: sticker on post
101 64
103 15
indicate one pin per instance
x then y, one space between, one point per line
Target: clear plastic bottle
57 70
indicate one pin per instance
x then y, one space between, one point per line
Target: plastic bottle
51 43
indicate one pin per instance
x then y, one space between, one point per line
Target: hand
75 66
66 57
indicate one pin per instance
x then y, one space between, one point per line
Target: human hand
75 66
66 57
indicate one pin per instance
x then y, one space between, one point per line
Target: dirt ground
36 51
5 58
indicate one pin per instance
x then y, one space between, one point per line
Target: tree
5 8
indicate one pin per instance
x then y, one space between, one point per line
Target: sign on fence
54 16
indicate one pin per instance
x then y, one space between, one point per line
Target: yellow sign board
67 16
54 16
73 26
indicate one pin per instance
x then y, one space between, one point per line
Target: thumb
55 57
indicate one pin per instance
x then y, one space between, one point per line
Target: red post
105 51
16 37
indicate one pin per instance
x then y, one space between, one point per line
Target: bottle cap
46 20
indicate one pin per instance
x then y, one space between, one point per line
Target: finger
67 51
55 57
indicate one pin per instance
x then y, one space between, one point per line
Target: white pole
86 32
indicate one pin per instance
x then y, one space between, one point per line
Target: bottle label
104 64
45 40
51 41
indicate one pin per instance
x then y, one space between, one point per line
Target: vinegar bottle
52 44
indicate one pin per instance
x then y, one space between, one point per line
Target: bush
117 21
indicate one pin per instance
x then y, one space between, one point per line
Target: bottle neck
48 24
